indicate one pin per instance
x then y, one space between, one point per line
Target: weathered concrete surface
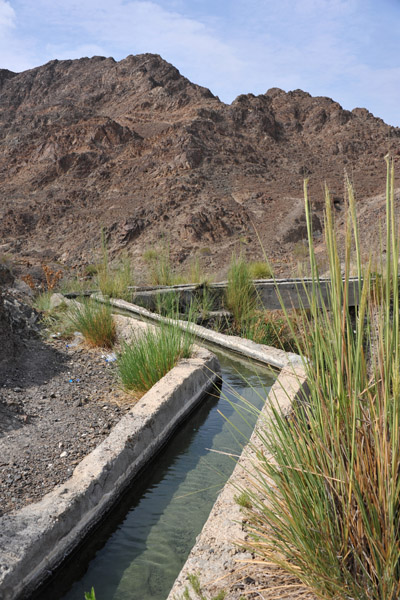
34 540
264 354
216 552
271 294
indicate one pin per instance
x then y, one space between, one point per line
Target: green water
138 554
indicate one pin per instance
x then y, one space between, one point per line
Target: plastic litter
110 357
78 338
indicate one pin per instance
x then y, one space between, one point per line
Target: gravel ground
57 403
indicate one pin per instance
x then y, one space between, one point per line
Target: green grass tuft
95 322
148 357
260 270
41 302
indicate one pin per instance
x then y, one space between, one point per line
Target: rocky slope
138 149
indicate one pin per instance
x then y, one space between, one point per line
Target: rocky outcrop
136 148
17 319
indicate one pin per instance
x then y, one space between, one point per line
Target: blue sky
348 50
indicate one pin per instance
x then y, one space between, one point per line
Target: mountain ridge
136 148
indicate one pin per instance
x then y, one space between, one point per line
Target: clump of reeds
94 321
270 327
114 281
240 297
161 270
326 498
149 356
168 304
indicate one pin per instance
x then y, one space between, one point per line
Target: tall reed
326 498
114 281
240 297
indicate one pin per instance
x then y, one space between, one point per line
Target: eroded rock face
137 148
7 339
17 319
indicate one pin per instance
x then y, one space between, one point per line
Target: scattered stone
32 460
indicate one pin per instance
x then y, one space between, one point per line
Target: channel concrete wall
36 539
259 352
218 552
271 294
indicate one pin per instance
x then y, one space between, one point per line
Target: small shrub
148 357
28 279
90 270
76 284
168 304
195 272
260 270
52 277
7 259
115 282
161 271
95 322
243 500
57 322
203 301
150 255
272 329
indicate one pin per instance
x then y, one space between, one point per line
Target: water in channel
141 548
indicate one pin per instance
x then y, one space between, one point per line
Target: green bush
114 282
57 321
94 321
328 506
90 595
167 304
196 273
148 357
197 589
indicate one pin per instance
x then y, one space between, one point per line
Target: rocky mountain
136 148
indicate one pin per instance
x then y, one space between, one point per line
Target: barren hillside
135 147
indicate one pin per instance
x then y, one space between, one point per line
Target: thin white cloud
16 54
7 15
326 47
65 52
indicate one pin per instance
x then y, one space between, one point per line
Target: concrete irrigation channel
38 538
271 293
